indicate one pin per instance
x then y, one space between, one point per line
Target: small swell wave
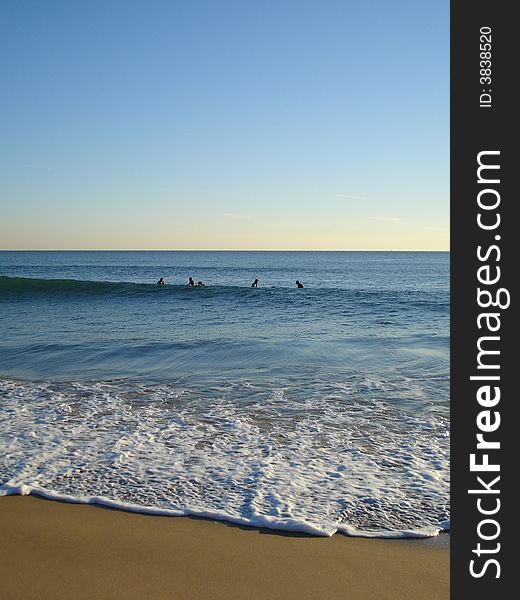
26 285
21 286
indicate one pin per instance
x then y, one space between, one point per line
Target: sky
224 124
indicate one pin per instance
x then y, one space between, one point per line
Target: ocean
321 410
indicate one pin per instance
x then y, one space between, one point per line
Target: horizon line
220 250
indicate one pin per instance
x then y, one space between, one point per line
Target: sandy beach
58 550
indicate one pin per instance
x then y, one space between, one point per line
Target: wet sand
54 550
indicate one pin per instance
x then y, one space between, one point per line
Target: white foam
339 461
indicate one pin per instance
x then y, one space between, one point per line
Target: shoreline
63 550
280 528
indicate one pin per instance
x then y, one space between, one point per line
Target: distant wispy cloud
351 197
396 220
238 216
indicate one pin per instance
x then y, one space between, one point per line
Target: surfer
190 281
161 281
200 284
255 283
299 284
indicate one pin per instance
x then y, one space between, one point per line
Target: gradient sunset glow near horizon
225 125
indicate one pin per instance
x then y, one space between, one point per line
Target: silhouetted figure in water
190 281
161 281
299 284
200 284
255 283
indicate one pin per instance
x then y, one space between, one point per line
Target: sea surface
319 410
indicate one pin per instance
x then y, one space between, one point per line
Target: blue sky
224 124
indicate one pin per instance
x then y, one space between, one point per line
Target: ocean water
321 409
